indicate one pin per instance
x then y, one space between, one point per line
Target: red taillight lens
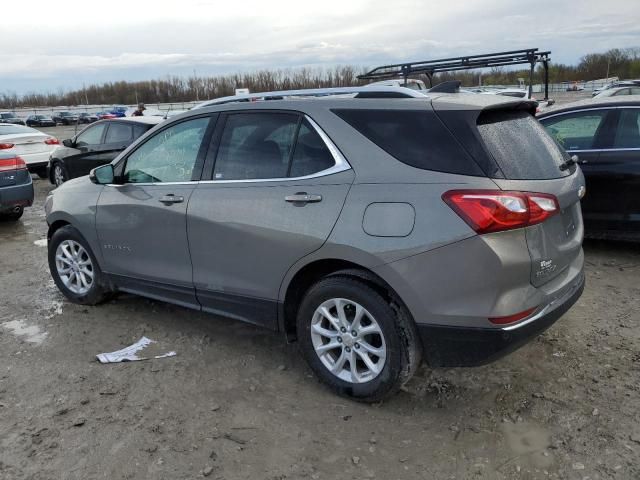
512 318
5 146
495 210
10 164
52 141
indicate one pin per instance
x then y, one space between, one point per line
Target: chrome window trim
340 164
595 150
579 110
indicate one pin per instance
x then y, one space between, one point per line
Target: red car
105 115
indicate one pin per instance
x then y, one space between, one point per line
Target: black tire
99 290
403 347
13 216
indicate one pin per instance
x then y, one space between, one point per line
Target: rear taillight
11 164
52 141
495 210
5 146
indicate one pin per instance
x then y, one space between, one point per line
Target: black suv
605 136
96 145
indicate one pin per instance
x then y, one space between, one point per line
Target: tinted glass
628 131
118 133
311 154
414 137
11 129
138 130
575 131
521 147
622 91
168 156
256 146
91 135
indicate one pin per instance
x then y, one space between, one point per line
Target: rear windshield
521 146
415 137
11 129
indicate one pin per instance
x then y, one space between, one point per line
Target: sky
61 45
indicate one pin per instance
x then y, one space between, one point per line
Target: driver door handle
303 197
171 198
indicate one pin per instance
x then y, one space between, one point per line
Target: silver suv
376 225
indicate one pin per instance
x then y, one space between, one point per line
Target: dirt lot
238 403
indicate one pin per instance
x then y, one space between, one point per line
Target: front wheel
359 343
74 268
59 174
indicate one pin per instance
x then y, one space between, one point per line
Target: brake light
489 211
5 146
512 318
52 141
10 164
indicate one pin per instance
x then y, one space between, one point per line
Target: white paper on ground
129 354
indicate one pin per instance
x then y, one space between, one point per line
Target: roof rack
487 60
357 92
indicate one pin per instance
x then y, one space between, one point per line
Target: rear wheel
74 268
355 340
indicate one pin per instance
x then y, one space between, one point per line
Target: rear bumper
16 195
447 346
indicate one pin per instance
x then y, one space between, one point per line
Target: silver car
377 226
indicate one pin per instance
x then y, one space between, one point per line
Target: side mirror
551 102
68 142
102 175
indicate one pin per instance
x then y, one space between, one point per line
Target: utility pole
608 63
195 83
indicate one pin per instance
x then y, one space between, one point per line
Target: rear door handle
303 197
171 198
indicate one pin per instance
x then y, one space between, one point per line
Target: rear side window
414 137
269 145
118 132
520 146
627 134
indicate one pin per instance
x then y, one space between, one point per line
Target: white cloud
46 48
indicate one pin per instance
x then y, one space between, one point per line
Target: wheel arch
312 272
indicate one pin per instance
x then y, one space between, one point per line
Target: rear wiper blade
572 161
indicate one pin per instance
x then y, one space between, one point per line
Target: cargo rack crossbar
529 56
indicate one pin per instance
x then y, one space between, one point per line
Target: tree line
623 63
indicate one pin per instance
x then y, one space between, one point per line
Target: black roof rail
529 56
452 86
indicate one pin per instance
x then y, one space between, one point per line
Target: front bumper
447 346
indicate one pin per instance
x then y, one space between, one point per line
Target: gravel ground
237 402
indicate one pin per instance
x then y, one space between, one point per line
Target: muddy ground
237 402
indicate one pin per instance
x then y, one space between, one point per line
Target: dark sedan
605 136
65 118
40 121
9 117
96 145
85 117
16 186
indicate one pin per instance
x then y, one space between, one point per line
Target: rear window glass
11 129
521 147
414 137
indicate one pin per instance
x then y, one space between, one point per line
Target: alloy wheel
348 340
58 175
74 267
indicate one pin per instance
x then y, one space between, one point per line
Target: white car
618 91
29 144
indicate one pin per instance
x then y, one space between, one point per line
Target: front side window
91 136
168 156
576 131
